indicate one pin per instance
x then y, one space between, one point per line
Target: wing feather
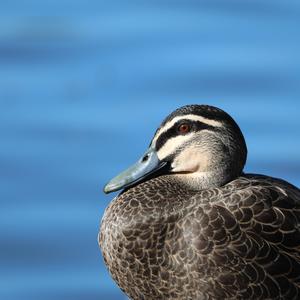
253 233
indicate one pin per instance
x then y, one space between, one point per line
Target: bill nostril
145 158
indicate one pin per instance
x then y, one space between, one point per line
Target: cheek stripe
171 145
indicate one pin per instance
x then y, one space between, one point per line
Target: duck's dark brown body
240 241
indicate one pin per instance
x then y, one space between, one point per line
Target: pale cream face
191 156
191 160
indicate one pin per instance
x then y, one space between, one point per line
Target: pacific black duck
190 224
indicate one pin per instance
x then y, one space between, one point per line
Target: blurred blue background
83 86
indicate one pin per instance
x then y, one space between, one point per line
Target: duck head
199 144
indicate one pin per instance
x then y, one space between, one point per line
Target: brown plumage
162 239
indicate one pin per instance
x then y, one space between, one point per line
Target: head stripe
189 117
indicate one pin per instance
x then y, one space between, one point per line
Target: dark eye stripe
172 132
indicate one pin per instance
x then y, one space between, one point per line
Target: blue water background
83 86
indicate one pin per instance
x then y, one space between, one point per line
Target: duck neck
203 180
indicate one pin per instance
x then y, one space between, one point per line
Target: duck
190 224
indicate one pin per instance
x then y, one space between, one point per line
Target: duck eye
184 128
